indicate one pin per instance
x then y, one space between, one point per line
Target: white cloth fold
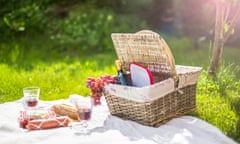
111 129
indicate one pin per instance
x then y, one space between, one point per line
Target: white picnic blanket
110 129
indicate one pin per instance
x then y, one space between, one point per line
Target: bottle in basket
120 76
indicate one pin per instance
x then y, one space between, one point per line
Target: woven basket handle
171 60
146 32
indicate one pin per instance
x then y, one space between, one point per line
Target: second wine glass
84 110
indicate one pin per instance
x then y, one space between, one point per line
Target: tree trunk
218 40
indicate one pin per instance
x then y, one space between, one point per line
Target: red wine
32 103
84 113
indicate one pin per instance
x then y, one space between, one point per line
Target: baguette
65 110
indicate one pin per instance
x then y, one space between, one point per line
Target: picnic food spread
186 129
153 98
148 87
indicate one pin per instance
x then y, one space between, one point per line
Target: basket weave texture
156 112
149 49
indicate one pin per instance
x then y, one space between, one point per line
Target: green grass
57 79
218 100
59 73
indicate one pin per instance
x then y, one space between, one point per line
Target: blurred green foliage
17 17
70 25
91 29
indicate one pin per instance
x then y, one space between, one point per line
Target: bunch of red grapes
97 86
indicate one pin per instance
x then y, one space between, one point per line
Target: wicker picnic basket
150 50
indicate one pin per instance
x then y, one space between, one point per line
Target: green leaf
5 19
226 27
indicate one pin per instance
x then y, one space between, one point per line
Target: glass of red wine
31 97
84 110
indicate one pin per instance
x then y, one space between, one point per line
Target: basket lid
147 48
